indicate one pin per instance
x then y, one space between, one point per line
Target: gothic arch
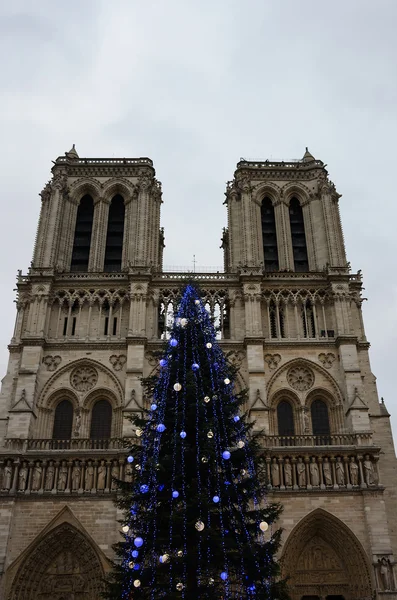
82 362
335 408
274 401
104 394
279 375
62 560
118 186
83 186
297 190
322 556
266 189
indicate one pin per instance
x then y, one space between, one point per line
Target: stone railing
338 439
325 470
43 445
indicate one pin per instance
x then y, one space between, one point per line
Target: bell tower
284 216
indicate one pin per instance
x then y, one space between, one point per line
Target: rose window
300 378
83 379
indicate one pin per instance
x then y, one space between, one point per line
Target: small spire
383 409
72 154
307 157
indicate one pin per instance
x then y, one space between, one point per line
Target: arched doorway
325 561
62 566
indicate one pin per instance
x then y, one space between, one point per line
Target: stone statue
327 472
77 424
62 476
340 473
368 471
306 420
101 476
7 476
301 470
76 476
287 473
275 469
385 574
314 473
49 477
36 480
89 477
23 475
128 473
353 467
115 475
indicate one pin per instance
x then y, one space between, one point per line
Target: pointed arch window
101 420
63 421
82 235
269 235
320 418
285 419
115 235
308 320
276 319
299 247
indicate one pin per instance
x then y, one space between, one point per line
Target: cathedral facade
91 313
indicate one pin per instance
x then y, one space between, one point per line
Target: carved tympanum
84 378
300 378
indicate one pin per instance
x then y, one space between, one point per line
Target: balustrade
338 439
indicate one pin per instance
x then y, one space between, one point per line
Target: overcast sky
195 85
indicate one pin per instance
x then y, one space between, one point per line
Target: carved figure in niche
385 574
353 467
306 420
101 476
314 473
115 474
287 473
36 480
7 476
62 476
327 472
49 477
275 471
77 424
23 475
89 477
301 470
368 471
128 473
340 473
76 476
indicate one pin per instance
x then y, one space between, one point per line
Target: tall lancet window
299 247
269 235
114 238
82 235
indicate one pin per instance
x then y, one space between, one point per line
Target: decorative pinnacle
307 157
72 154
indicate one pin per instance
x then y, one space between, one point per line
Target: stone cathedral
92 311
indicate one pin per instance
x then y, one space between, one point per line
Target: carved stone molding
327 359
83 378
52 362
118 361
272 360
300 378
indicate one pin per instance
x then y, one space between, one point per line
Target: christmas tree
196 523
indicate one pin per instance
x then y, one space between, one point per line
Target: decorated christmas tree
196 522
